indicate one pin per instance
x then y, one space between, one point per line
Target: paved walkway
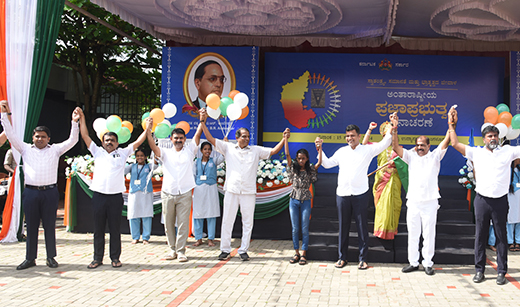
146 279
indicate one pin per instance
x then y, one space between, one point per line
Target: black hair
201 70
238 133
296 166
352 127
143 150
178 131
489 129
110 133
42 128
205 144
425 137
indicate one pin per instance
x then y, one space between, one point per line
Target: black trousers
494 209
357 206
40 205
107 208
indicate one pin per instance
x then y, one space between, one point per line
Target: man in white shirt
492 165
422 198
240 186
178 183
108 186
352 192
40 196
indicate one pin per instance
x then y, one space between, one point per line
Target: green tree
104 61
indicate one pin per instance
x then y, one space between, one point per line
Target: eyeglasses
214 79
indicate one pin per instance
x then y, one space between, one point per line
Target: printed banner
192 73
514 87
320 94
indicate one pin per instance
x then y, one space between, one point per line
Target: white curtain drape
20 34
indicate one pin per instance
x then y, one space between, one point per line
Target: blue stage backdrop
237 65
317 94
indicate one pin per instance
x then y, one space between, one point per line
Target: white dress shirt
241 166
40 166
492 169
353 165
109 169
178 169
423 174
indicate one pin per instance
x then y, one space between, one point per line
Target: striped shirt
40 166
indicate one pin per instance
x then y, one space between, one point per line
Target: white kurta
205 201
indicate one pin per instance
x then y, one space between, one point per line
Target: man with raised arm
352 192
108 186
492 164
40 196
422 198
240 186
177 187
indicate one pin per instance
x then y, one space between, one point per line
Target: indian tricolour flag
28 31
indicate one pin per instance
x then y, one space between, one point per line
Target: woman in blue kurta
140 198
205 195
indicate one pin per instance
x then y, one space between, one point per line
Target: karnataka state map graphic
293 95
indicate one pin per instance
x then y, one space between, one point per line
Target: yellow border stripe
339 138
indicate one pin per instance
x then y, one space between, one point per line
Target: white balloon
99 125
484 126
167 122
169 110
512 133
234 111
502 130
213 113
241 99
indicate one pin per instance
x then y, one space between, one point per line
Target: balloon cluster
113 123
234 106
161 125
507 125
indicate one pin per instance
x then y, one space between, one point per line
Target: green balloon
145 116
173 127
113 124
224 103
515 122
502 108
123 135
162 131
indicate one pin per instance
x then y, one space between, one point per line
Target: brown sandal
295 258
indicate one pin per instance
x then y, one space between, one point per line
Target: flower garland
467 178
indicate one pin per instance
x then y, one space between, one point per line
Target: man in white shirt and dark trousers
492 164
422 198
40 196
240 186
177 187
352 193
108 186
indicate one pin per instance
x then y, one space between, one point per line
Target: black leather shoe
479 277
501 279
51 263
429 271
26 264
409 268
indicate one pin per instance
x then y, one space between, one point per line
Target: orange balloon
128 125
184 126
101 134
505 118
245 112
143 124
213 101
157 115
233 93
491 115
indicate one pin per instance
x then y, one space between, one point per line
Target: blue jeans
198 224
300 209
135 228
